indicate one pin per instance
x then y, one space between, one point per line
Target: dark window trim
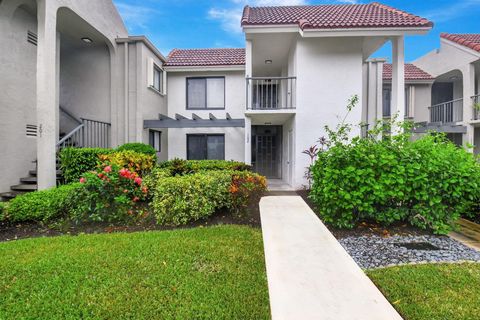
159 139
206 94
157 68
206 135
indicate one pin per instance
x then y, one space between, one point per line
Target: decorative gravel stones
372 251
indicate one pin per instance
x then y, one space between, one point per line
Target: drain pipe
125 45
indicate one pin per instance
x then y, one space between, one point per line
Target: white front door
290 153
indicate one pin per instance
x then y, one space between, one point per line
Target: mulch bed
18 231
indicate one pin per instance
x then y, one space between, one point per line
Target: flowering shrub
182 199
111 194
133 161
245 187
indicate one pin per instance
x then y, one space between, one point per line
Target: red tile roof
206 57
412 72
471 41
346 16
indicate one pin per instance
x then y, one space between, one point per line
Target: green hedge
139 147
74 162
180 166
3 210
179 200
428 182
43 205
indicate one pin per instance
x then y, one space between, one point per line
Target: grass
201 273
432 291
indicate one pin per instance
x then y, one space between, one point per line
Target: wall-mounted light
87 40
268 61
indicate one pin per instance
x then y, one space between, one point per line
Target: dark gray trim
199 123
447 128
206 94
180 117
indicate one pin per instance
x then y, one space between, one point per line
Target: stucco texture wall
17 98
329 72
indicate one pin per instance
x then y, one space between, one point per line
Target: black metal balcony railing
271 93
476 107
447 112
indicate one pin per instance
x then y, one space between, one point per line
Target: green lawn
432 291
201 273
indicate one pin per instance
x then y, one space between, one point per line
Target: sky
216 24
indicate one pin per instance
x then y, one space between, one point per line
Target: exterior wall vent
32 38
31 130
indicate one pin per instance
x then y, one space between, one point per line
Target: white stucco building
91 84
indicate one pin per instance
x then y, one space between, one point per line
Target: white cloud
451 12
135 16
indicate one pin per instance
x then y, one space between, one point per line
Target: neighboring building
456 69
263 104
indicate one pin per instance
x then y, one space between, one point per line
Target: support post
398 81
248 142
468 76
47 95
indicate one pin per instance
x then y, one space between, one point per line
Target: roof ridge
402 12
245 14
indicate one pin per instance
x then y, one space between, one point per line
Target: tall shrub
428 182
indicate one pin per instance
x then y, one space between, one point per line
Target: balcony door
267 151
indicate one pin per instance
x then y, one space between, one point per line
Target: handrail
71 116
70 134
270 78
446 102
96 121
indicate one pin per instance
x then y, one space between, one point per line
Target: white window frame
152 68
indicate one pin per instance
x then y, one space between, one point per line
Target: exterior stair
27 184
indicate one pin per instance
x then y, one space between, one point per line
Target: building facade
91 84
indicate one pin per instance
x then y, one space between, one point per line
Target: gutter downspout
126 92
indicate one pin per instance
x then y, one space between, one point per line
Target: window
157 78
205 147
154 139
387 100
206 93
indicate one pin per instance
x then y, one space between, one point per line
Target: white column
468 75
379 109
248 138
398 80
47 95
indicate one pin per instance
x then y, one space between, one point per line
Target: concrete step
6 196
29 180
24 187
34 173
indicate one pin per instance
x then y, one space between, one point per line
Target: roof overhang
341 32
144 40
205 68
410 81
460 47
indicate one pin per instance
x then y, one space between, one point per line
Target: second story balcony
447 112
271 93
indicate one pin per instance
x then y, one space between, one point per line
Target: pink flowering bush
111 194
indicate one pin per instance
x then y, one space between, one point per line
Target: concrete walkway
310 275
